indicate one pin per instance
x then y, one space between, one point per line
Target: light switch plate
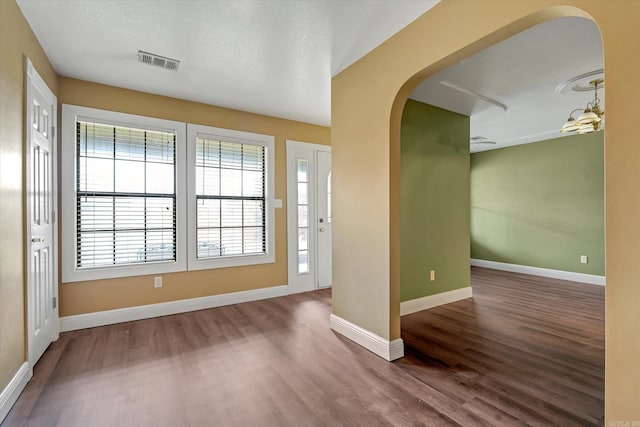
277 203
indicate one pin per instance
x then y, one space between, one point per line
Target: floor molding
12 391
430 301
109 317
544 272
388 350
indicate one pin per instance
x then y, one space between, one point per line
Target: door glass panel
303 239
302 193
303 217
302 170
303 261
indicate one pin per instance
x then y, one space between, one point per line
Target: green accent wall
540 204
434 217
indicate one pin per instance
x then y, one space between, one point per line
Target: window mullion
146 222
78 208
264 201
220 245
242 230
175 195
114 199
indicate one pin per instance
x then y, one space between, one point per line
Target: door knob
321 229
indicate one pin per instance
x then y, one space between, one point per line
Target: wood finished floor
524 351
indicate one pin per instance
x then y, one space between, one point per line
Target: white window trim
70 273
267 141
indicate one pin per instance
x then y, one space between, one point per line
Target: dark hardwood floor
524 351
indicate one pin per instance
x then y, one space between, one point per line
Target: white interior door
309 238
323 197
41 239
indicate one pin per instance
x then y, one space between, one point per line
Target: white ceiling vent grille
158 61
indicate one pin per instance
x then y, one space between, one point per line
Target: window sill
102 273
235 261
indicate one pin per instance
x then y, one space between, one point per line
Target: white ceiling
272 57
522 73
277 57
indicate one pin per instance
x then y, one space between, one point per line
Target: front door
41 239
308 216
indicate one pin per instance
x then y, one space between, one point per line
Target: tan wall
90 296
367 100
16 41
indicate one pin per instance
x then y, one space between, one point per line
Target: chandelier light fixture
591 118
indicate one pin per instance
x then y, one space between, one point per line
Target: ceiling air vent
158 61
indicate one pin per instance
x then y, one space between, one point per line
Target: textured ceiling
522 73
276 57
272 57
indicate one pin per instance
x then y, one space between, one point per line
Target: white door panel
323 169
41 236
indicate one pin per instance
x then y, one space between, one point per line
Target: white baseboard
109 317
12 391
388 350
424 303
544 272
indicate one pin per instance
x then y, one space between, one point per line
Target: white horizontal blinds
230 198
125 195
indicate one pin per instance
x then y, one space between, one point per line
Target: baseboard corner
12 391
431 301
388 350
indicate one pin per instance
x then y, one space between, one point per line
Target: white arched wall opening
367 101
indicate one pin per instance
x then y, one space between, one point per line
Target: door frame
292 214
33 81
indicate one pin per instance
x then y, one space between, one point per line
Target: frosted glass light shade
586 128
570 126
588 117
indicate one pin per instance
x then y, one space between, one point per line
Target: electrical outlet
584 259
157 282
432 275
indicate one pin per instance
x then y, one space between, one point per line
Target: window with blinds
230 197
125 195
143 195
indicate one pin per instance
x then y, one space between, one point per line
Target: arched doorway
367 101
